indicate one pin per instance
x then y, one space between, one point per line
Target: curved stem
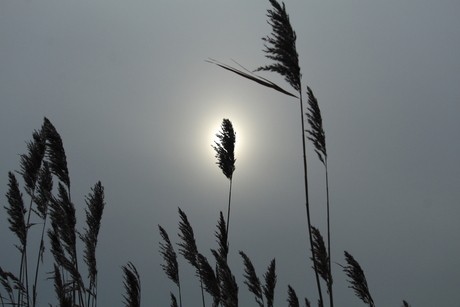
307 203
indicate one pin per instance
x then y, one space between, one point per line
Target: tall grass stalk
225 154
280 47
318 137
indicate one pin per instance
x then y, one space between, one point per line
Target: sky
127 87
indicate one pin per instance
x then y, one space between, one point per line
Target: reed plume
95 203
227 282
252 281
31 163
281 47
173 300
18 225
188 247
61 288
132 285
16 211
171 267
322 258
293 300
42 200
357 280
222 237
225 154
254 284
270 283
210 279
10 283
55 153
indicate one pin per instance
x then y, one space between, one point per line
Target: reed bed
46 183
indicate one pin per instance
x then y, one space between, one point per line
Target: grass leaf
251 76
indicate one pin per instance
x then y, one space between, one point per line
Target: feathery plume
95 207
16 211
171 267
31 162
225 148
293 300
209 278
270 283
55 152
322 259
252 281
317 135
61 289
132 285
358 280
222 237
45 186
281 47
188 247
10 282
227 281
173 300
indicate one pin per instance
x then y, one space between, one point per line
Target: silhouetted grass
225 154
44 160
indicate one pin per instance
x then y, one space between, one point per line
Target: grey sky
127 87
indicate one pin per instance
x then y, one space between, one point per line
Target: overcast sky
127 87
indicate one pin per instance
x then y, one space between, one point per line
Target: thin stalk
229 202
307 202
331 297
180 296
40 255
